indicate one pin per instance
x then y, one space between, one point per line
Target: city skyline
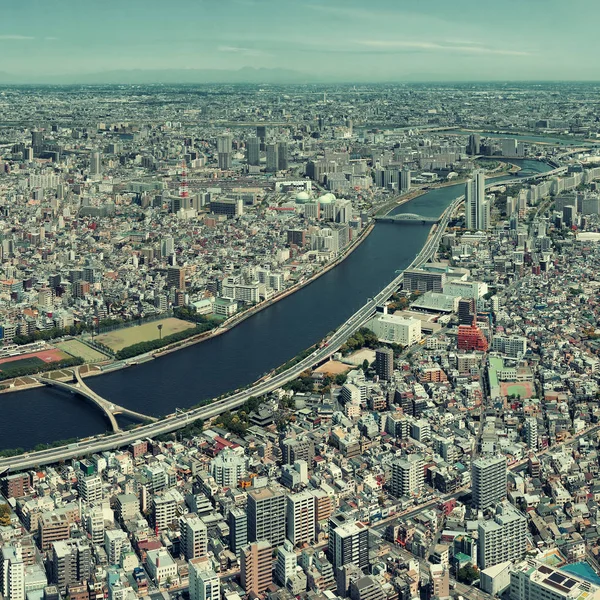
254 40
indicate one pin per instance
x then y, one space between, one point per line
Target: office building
300 518
71 563
228 468
477 208
287 561
282 156
230 207
384 363
408 476
204 582
272 158
420 280
253 151
466 311
224 152
238 529
12 573
194 536
266 516
95 163
474 145
503 537
176 278
262 132
128 507
404 180
488 479
348 543
256 567
471 337
532 580
393 329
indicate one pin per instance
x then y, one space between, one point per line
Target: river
240 356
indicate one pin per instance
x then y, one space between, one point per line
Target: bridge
406 218
110 409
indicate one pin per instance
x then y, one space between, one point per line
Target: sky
367 40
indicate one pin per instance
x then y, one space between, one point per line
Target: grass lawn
31 362
127 336
81 350
524 390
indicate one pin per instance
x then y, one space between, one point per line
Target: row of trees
40 368
50 334
149 346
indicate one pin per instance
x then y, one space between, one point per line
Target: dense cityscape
441 443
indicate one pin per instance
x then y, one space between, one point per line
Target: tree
4 515
365 365
467 574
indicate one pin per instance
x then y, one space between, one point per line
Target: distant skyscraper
474 146
167 247
282 156
384 363
405 180
261 133
95 163
272 158
224 151
253 151
488 479
477 208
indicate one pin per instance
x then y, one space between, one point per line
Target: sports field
81 350
31 361
524 389
127 336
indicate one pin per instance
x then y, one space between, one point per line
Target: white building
12 577
503 537
228 467
161 566
393 329
204 582
408 475
115 541
477 207
300 521
287 561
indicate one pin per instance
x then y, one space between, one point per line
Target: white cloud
243 51
460 47
10 36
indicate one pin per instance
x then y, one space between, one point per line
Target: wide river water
242 355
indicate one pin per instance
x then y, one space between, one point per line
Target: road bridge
110 409
406 218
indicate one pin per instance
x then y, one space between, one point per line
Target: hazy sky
357 40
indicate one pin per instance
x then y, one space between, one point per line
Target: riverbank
112 366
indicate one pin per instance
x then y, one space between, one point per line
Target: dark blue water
239 357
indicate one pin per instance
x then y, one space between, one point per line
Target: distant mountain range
169 76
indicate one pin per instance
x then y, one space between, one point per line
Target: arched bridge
407 218
108 408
